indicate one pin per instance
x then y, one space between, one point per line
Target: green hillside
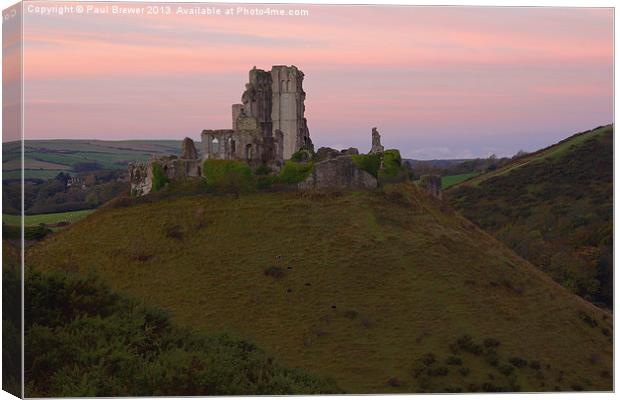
383 291
44 159
554 208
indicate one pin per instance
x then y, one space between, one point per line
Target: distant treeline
57 195
459 167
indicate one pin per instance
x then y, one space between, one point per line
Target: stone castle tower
276 100
287 109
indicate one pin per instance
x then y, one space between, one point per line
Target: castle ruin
269 126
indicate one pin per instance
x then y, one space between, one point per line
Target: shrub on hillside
293 172
84 340
228 176
302 155
159 177
368 162
262 169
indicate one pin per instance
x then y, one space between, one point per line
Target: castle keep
269 126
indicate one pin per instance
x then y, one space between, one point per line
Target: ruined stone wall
140 178
237 110
243 145
288 107
338 173
257 99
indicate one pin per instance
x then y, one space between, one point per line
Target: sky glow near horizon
438 82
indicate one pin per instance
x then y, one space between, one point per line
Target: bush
452 360
518 362
368 162
428 359
262 170
265 182
392 165
491 358
159 177
293 172
274 272
466 343
36 232
506 369
302 155
228 176
84 340
438 371
490 343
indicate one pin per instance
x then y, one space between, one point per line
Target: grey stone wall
338 173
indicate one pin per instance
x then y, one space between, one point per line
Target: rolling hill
44 159
554 208
383 291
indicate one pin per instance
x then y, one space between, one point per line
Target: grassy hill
44 159
383 291
555 208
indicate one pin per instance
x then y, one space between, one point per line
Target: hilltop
554 208
383 291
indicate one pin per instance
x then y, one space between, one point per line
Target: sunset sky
438 82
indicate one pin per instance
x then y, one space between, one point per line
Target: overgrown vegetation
82 339
55 195
11 320
159 179
368 162
13 232
228 176
555 209
302 155
294 172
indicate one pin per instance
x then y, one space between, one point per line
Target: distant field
71 216
450 180
44 159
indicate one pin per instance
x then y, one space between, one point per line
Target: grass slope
555 208
359 286
548 153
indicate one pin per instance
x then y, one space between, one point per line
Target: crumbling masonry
269 126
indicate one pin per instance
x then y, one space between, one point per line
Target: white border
490 3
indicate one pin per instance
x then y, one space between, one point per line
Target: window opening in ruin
215 145
248 152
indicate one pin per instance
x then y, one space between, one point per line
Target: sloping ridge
554 208
552 151
385 291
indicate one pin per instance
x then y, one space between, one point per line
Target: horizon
438 82
197 142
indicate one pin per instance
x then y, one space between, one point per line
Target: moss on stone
159 177
368 162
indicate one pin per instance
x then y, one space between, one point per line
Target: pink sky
443 82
